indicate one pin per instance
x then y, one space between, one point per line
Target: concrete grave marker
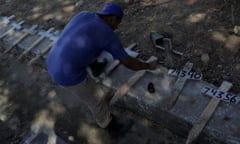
6 20
225 96
14 25
125 88
26 33
42 53
178 86
36 42
189 75
206 114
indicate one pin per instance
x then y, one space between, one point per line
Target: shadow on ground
31 103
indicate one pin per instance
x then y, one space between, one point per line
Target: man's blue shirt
81 41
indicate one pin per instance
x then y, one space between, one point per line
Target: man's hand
135 64
152 65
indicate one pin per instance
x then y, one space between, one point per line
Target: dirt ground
197 28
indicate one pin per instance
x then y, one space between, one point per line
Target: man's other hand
152 65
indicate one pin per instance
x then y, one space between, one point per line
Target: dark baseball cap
111 8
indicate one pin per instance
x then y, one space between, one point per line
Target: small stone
168 23
219 66
205 58
71 138
236 29
237 67
79 3
210 30
68 8
2 82
52 94
14 123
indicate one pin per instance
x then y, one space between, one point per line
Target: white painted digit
233 99
206 90
214 92
197 75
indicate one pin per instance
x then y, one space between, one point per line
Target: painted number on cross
225 96
182 73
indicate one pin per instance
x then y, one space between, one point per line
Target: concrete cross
49 34
26 33
206 114
6 20
14 25
42 53
179 84
43 35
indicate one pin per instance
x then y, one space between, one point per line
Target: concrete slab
42 45
119 76
223 126
26 43
4 29
12 37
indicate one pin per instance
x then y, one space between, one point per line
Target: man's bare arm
135 64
